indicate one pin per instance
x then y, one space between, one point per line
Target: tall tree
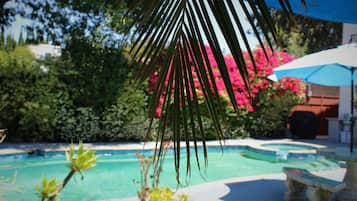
7 15
58 20
21 41
31 36
10 43
93 73
29 106
306 35
89 18
2 41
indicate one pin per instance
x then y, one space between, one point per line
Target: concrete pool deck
253 188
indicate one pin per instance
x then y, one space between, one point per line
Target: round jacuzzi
289 146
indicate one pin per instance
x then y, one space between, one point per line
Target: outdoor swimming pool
114 175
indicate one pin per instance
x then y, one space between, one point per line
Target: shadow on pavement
257 190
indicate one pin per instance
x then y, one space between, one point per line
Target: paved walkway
254 188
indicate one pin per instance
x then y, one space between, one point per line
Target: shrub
235 124
38 121
273 115
87 124
119 123
255 116
65 124
112 123
127 119
77 124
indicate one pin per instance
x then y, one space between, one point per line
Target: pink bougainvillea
257 79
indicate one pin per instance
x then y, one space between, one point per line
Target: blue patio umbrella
330 10
332 67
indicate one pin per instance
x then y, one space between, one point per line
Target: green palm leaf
174 34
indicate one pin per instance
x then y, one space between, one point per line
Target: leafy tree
28 96
2 41
90 73
306 35
10 43
21 41
31 36
127 119
7 15
94 74
58 20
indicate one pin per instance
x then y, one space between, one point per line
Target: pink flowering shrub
261 89
258 80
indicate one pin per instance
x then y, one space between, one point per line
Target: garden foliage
28 101
307 35
93 74
83 95
263 108
87 94
127 119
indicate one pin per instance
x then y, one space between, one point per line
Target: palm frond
174 35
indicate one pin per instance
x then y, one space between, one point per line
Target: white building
43 50
336 129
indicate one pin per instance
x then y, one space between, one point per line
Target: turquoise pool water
288 147
116 171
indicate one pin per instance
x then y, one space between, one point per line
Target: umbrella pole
352 120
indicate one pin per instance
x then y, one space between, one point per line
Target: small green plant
154 193
48 189
165 194
83 160
78 162
145 164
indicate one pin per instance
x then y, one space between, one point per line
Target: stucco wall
345 92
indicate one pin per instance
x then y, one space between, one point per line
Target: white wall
345 92
42 50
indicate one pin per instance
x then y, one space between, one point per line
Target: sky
253 42
19 24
